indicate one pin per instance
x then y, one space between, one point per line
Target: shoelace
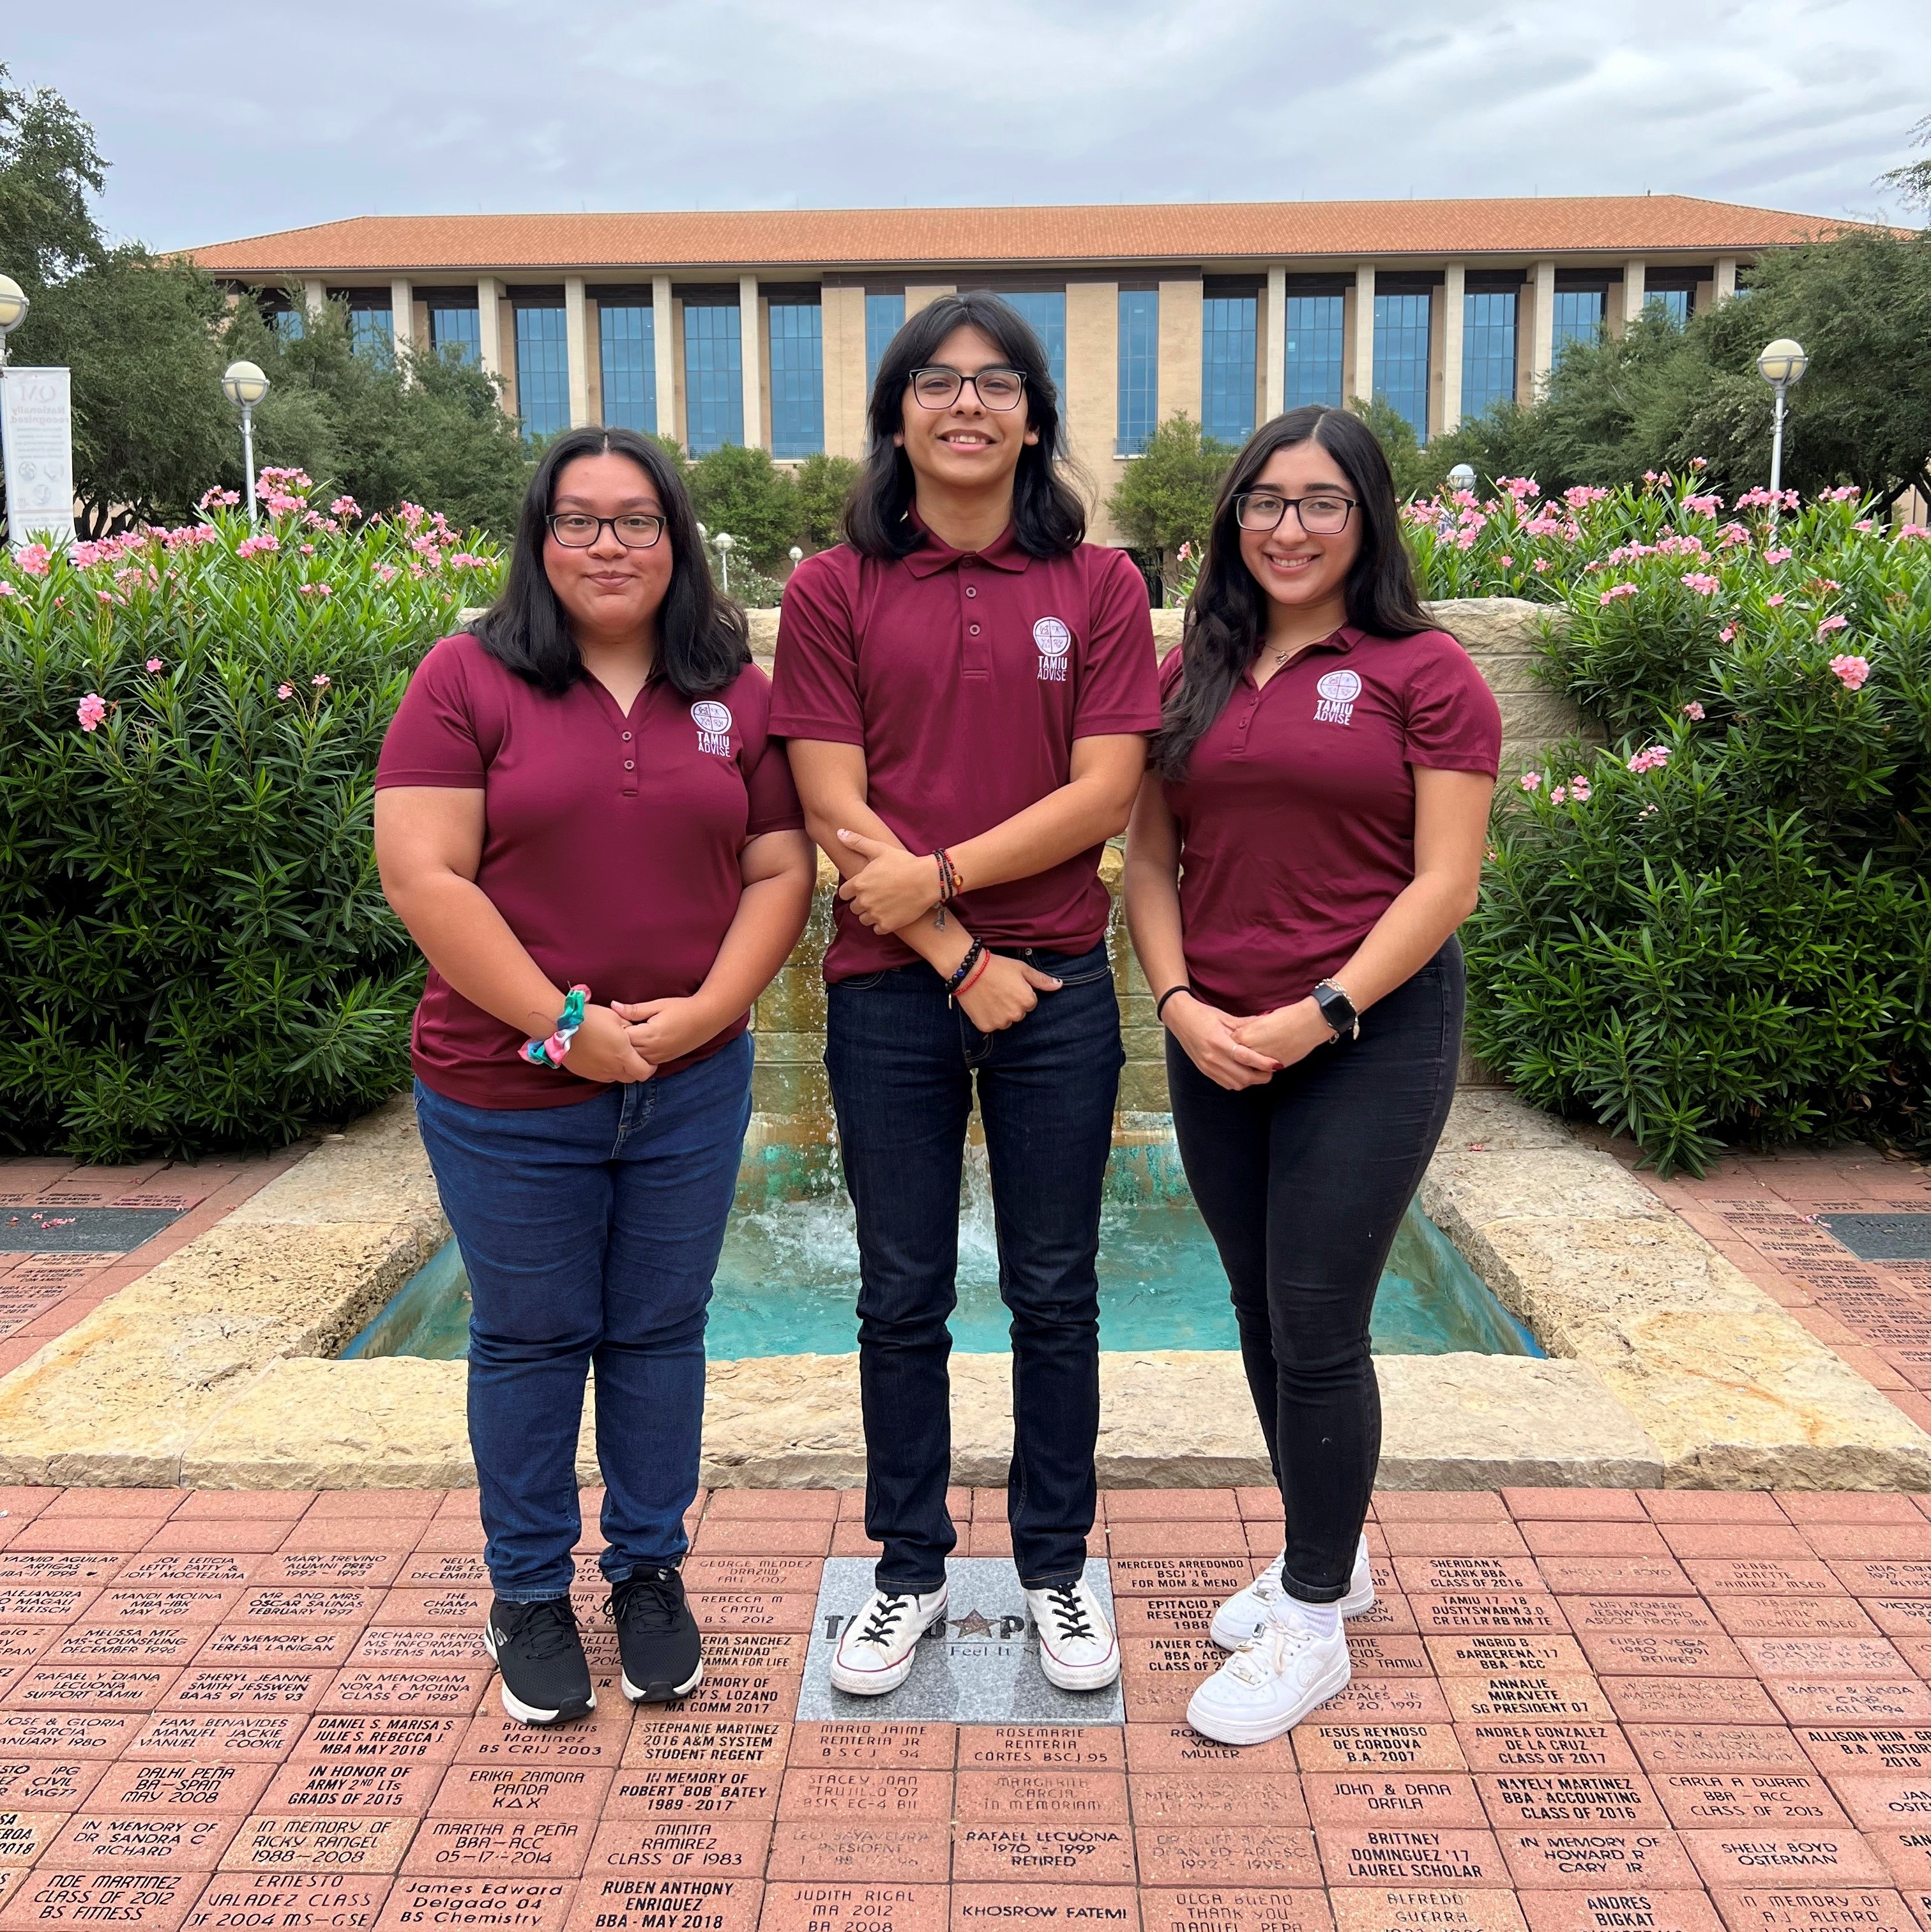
649 1599
886 1612
545 1629
1265 1655
1069 1612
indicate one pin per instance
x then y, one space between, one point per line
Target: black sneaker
546 1680
656 1636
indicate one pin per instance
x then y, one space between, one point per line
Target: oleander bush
1717 929
195 947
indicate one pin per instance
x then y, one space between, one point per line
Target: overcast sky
223 121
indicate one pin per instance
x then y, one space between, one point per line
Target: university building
765 328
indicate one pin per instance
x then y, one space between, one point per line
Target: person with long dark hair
1307 841
586 824
966 687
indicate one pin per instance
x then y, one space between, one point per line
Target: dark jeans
1302 1182
902 1062
591 1234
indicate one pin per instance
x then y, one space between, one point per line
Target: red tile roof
1179 232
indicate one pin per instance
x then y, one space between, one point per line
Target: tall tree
48 168
1165 496
742 491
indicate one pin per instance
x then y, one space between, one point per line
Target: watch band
1338 1009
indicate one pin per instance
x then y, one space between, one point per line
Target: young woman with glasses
1300 855
583 820
966 685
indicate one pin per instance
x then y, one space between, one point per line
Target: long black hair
702 640
1048 517
1227 615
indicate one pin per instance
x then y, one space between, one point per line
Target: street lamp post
12 312
244 385
1782 363
1462 476
797 557
722 542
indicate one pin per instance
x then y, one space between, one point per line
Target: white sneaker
1242 1614
1268 1686
1077 1650
874 1655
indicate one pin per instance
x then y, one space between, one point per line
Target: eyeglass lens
575 532
1320 516
938 388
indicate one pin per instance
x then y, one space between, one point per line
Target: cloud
226 121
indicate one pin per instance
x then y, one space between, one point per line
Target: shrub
191 927
1721 929
744 492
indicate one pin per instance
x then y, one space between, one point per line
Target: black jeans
903 1061
1302 1182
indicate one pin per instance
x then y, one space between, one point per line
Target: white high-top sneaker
874 1654
1242 1614
1077 1650
1270 1684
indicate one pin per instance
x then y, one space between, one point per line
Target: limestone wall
1500 633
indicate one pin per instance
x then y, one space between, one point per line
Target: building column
576 346
1633 294
751 350
1542 352
1364 332
1180 324
1454 317
1274 377
665 355
1726 278
489 325
314 295
402 320
918 294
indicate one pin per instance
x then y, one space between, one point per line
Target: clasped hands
629 1039
1235 1052
895 887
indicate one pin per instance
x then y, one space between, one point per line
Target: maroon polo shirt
610 843
1297 813
966 677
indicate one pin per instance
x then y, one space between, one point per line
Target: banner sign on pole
37 441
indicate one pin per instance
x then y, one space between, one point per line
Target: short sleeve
433 739
815 686
1119 689
1452 721
773 798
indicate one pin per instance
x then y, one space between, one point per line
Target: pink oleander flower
1560 796
1844 493
1524 489
91 710
104 596
6 589
1651 758
412 515
1693 711
284 691
387 572
1913 530
1186 553
1821 584
1616 590
308 550
258 546
1531 781
317 590
1851 671
1651 476
215 497
154 664
1508 563
1540 565
1578 789
1703 506
1781 556
345 506
320 680
1704 584
1830 624
1579 494
1726 634
1776 600
1699 462
36 559
1863 526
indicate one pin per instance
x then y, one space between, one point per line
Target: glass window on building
372 326
1227 367
1578 318
713 376
1045 309
884 317
1314 339
1488 350
284 315
627 344
1675 303
542 368
456 325
1401 357
1139 369
797 375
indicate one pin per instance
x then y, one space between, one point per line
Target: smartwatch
1338 1009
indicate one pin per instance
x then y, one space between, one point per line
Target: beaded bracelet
963 973
551 1052
949 883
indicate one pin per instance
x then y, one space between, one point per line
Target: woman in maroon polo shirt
583 821
1309 838
966 685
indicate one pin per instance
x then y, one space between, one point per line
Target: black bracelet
973 954
1160 1004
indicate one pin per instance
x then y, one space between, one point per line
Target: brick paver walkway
1572 1708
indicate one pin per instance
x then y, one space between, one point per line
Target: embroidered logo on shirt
1338 691
713 721
1054 641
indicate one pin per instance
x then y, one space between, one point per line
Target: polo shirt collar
933 555
1344 639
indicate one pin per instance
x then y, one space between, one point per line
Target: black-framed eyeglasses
1323 513
938 388
575 530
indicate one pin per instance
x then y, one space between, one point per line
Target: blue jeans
902 1062
591 1234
